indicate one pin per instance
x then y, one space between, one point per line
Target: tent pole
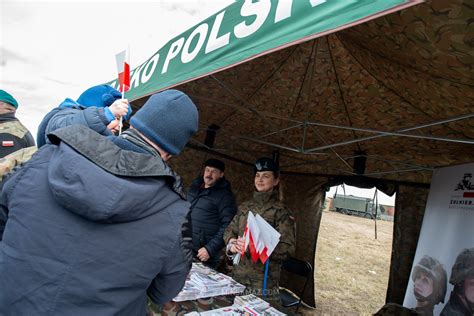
296 150
384 133
279 131
399 162
396 133
334 152
303 141
394 171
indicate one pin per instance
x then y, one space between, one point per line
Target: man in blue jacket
94 225
97 108
212 209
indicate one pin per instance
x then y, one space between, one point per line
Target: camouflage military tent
382 103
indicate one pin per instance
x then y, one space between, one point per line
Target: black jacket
212 210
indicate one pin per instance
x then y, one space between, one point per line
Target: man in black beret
212 209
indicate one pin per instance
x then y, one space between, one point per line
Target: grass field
351 265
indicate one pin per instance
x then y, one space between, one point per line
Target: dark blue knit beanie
169 119
100 96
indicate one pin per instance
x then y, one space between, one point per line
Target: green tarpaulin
246 30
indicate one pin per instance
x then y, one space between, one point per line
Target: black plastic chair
298 267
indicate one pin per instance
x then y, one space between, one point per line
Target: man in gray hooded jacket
90 226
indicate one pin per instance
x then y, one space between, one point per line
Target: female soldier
266 202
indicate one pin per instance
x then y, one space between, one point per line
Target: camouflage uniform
279 216
13 135
15 159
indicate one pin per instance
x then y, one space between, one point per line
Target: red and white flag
260 238
123 67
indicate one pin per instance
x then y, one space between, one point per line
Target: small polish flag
7 143
123 67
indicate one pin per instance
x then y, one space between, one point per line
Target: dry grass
351 265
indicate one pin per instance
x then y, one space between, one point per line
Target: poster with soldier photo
442 276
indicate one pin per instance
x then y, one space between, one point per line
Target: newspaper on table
228 311
237 311
252 301
247 305
203 281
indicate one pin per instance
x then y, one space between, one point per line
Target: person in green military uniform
13 135
461 301
267 203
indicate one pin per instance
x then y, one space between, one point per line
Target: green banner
245 30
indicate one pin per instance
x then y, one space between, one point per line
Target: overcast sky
51 50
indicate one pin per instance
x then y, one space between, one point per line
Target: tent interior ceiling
397 90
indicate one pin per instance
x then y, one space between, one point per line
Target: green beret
7 98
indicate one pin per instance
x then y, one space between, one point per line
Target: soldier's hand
240 243
203 255
119 107
237 244
232 245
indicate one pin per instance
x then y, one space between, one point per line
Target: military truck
354 205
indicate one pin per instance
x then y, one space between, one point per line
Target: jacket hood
69 103
90 176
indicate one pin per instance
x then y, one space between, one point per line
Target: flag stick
265 277
120 123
